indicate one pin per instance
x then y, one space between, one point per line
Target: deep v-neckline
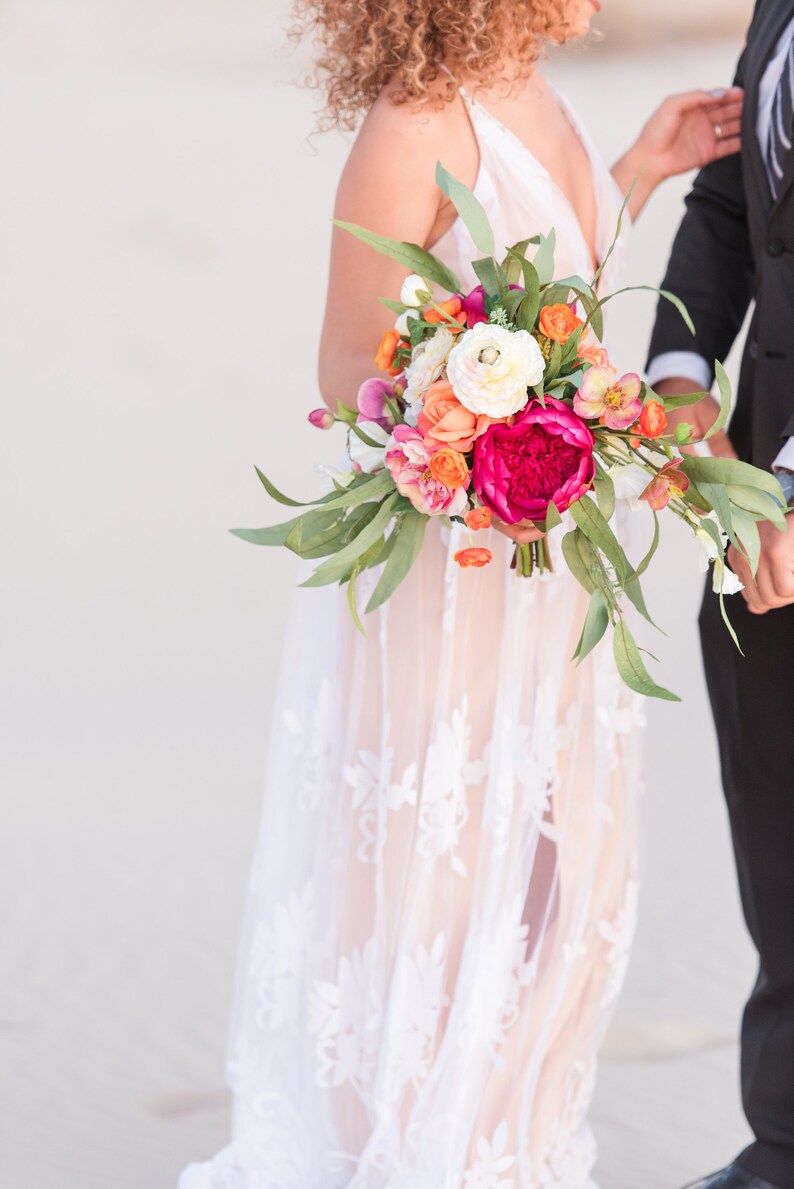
522 147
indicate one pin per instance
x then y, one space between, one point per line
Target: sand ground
158 199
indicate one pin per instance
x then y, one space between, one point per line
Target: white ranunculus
490 369
369 458
415 290
427 364
402 324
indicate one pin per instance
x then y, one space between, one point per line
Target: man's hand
700 416
523 533
773 585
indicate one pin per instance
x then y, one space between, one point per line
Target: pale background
163 237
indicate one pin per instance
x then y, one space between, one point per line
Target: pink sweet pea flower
321 418
616 402
669 483
371 401
408 459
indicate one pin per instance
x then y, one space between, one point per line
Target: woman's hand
685 132
523 533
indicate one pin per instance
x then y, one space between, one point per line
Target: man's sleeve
711 268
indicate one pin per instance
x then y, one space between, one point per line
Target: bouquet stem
532 558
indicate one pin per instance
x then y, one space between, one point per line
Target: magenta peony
545 455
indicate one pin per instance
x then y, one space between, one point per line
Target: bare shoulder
401 143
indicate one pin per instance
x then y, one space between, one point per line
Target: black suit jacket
734 245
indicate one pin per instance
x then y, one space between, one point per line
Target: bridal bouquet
501 402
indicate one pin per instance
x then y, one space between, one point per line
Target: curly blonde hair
365 44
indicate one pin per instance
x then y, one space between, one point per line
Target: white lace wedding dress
444 890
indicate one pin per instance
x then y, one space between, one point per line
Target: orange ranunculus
384 360
596 355
477 518
449 467
453 308
445 422
558 322
653 420
473 557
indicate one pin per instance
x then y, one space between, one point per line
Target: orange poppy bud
477 518
384 360
473 557
653 420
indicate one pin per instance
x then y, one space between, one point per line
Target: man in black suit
736 244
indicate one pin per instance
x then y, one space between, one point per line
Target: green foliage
470 210
631 667
414 258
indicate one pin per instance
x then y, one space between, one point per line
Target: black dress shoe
732 1177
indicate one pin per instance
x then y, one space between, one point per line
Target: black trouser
752 698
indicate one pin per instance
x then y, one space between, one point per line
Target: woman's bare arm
388 185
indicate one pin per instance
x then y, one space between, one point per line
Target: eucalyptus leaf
592 523
731 470
341 563
408 536
276 534
717 496
749 541
618 230
576 564
488 276
724 385
605 494
632 668
544 257
758 502
470 209
595 625
412 256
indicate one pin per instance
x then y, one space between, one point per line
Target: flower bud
402 324
415 290
322 418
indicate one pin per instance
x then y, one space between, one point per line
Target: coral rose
446 422
558 322
384 360
477 518
408 459
449 467
597 356
545 456
473 557
653 419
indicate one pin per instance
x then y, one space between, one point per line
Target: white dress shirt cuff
681 363
785 459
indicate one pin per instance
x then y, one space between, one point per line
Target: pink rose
545 455
408 459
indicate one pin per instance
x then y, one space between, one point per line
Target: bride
444 891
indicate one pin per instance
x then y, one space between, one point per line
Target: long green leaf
275 534
632 669
618 230
470 209
339 565
717 496
544 257
575 562
413 257
590 520
731 470
488 276
726 397
595 625
409 534
665 293
759 502
605 494
749 541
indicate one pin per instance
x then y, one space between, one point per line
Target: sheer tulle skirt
444 891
